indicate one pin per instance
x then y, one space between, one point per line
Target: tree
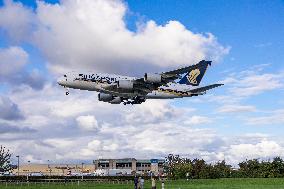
182 169
199 169
277 168
222 169
177 167
5 156
169 165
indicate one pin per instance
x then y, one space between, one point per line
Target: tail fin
195 74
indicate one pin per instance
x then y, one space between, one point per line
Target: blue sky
253 30
245 114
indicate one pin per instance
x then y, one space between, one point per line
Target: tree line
178 167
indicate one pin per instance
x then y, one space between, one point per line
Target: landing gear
67 91
138 100
135 100
128 102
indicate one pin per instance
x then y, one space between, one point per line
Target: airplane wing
193 76
204 89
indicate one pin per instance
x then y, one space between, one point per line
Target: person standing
141 183
135 182
187 176
153 183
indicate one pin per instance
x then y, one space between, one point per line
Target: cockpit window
65 75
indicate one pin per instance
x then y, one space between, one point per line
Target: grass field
180 184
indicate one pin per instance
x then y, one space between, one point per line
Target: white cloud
111 147
196 120
116 139
95 145
9 110
92 35
242 85
263 149
256 84
13 69
160 132
12 60
88 123
236 108
274 117
16 20
152 111
249 83
69 107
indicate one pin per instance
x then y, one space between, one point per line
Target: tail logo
191 77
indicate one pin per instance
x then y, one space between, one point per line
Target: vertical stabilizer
195 74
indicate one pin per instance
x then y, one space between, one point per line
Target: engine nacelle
125 84
152 78
116 100
105 97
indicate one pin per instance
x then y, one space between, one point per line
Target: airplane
117 89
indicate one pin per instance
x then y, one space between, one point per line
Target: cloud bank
93 35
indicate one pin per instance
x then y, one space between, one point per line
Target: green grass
179 184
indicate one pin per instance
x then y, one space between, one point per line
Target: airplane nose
61 81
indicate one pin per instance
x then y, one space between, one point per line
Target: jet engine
116 100
105 97
125 84
152 78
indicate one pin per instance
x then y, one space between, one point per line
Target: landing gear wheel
67 93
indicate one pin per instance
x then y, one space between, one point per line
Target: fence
38 183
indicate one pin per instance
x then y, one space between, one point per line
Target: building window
103 165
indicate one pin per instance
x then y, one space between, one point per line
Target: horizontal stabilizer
204 89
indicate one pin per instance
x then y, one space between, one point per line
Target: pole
82 171
29 171
49 167
18 164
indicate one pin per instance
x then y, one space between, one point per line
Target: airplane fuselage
100 82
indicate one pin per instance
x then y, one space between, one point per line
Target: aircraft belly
83 85
161 95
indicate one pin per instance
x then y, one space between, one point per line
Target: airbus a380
116 89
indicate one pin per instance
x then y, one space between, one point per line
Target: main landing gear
128 102
135 100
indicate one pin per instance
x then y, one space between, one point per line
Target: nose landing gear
67 91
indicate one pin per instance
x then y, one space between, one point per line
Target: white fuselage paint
99 82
